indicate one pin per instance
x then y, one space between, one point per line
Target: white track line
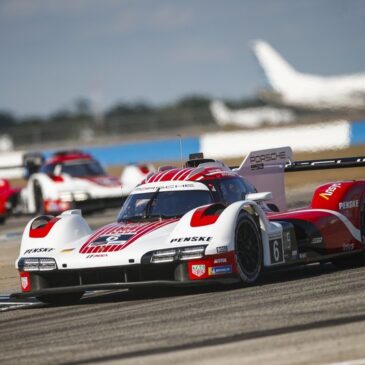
349 362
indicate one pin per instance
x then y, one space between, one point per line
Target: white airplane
296 89
250 117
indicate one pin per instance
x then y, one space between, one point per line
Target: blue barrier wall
169 149
146 151
357 133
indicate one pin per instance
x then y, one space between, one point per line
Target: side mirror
259 197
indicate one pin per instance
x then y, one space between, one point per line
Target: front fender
221 232
60 232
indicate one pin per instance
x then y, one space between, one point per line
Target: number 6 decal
276 251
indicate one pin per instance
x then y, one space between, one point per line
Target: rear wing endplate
265 170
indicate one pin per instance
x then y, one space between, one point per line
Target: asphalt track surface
308 315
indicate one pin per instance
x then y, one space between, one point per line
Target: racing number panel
276 250
284 248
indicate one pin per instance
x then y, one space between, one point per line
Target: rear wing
265 169
336 163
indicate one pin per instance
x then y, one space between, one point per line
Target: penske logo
192 239
330 191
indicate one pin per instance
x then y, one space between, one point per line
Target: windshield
166 204
84 168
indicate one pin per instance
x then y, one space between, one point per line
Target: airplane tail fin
278 71
220 112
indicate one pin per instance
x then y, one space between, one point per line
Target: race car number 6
276 251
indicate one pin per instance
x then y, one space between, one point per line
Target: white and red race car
67 180
201 224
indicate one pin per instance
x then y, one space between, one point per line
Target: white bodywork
69 189
69 234
306 90
250 117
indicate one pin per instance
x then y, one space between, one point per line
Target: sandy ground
9 281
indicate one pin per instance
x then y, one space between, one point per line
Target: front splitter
112 286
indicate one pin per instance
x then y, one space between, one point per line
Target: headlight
67 196
79 196
37 264
176 254
163 256
188 253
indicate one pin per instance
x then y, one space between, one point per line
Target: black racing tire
248 249
38 198
61 299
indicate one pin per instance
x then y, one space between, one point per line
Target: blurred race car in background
133 174
8 199
202 224
67 180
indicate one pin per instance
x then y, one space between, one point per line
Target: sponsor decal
330 191
25 281
198 270
67 250
221 260
222 249
218 270
272 156
257 161
192 239
317 240
38 250
143 189
288 238
115 239
96 255
348 204
257 166
348 246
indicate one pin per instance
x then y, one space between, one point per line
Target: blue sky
53 51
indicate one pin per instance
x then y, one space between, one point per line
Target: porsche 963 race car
201 224
67 179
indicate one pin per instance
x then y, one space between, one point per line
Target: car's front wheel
248 249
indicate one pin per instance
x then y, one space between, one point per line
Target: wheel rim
248 251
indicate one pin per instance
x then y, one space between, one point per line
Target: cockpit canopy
75 168
168 199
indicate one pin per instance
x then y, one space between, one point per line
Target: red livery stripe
138 230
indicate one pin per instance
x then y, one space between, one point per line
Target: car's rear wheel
248 249
61 299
